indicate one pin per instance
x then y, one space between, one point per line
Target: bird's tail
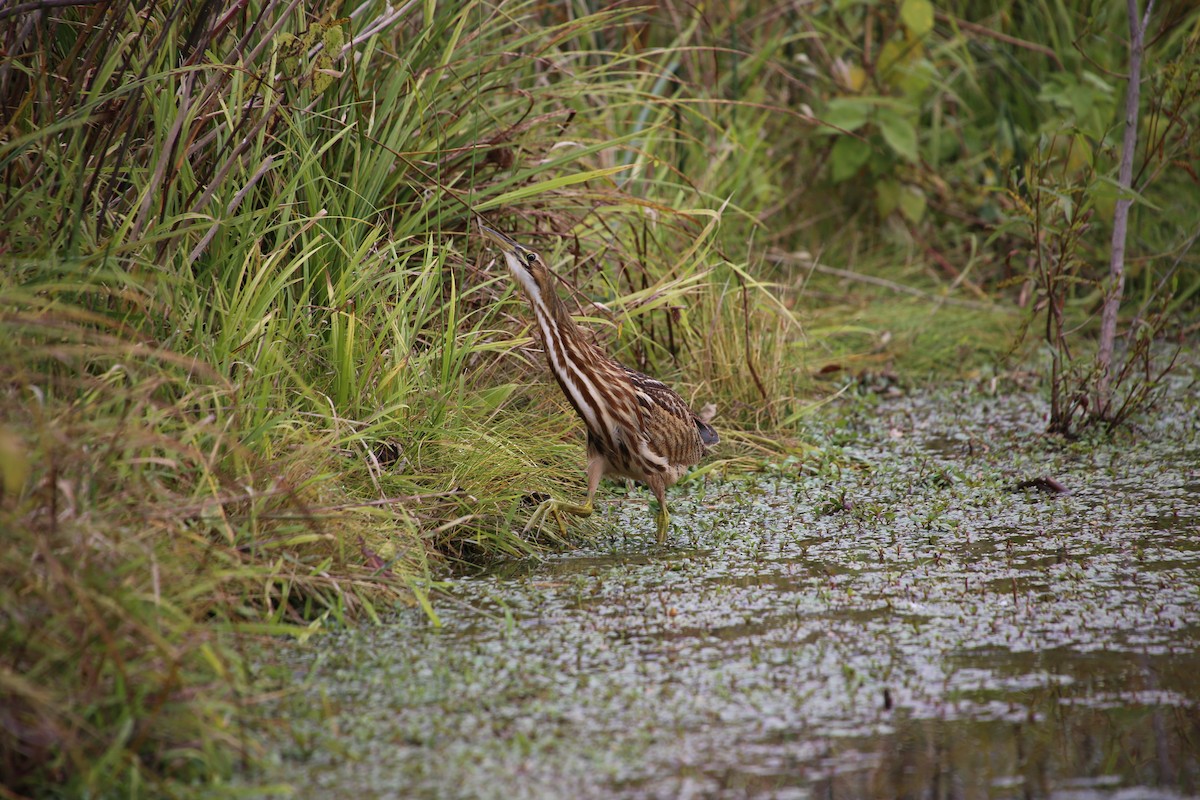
708 434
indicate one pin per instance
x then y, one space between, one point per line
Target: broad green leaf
917 16
912 204
845 114
1097 82
333 38
322 74
916 80
899 133
887 197
289 48
849 154
1080 153
892 54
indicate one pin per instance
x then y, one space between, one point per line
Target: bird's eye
530 258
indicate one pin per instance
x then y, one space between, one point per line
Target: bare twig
981 30
762 390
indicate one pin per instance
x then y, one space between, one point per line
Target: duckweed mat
946 604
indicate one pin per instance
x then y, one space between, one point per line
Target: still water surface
894 618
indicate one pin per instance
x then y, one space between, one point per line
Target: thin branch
980 30
1116 265
762 390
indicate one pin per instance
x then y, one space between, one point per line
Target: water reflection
1060 750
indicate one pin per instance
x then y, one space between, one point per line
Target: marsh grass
257 375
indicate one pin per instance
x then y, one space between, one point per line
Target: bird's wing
655 397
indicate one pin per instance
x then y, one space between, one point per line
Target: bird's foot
557 508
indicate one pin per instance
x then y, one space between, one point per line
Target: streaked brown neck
590 379
554 320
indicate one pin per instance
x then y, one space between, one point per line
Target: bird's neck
584 372
556 325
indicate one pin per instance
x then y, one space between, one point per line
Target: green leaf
917 16
893 53
533 189
845 114
849 154
1126 193
333 39
289 49
887 197
322 74
912 204
493 397
899 133
423 598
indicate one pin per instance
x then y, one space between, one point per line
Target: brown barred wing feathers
670 425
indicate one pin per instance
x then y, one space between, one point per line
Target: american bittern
637 427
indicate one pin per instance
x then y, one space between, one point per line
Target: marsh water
912 610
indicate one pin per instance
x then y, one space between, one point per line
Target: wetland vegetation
272 419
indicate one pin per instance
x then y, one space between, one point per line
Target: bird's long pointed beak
506 244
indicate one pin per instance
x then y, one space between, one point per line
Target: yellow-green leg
663 519
595 469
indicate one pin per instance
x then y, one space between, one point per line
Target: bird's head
526 265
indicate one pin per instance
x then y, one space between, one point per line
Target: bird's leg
595 470
557 508
663 518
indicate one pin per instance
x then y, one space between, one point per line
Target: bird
637 426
